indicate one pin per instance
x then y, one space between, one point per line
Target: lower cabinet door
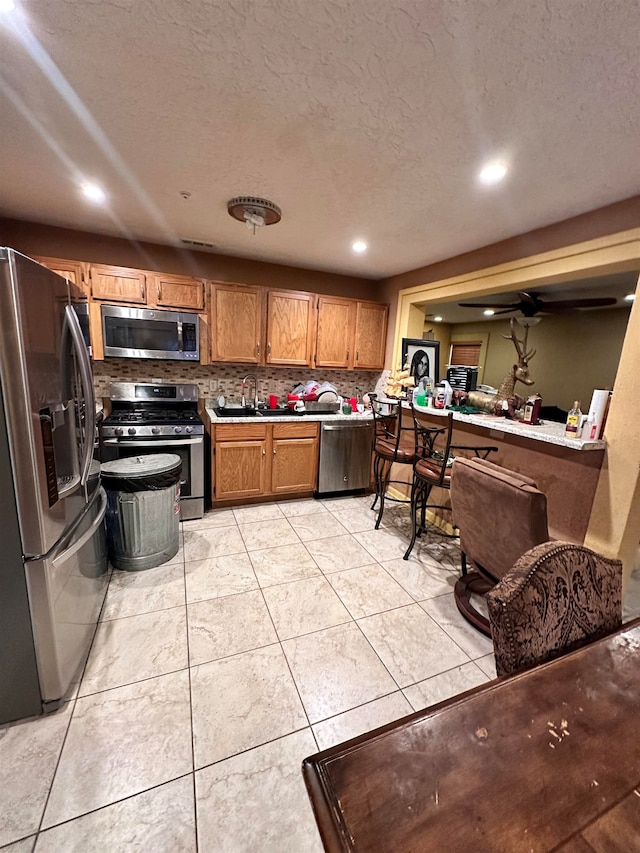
294 465
240 469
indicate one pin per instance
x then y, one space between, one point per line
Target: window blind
467 353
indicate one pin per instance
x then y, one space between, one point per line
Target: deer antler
521 346
516 342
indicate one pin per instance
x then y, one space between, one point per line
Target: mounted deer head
521 369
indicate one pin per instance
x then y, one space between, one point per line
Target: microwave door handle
73 324
180 343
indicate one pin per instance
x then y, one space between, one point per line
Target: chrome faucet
255 390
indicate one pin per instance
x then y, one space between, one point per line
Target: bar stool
432 467
388 450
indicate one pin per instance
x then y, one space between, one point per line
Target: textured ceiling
367 119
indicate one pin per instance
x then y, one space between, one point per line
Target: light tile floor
277 630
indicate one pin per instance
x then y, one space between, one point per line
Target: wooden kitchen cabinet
294 457
179 292
370 335
240 461
237 323
77 272
264 460
290 327
118 284
335 332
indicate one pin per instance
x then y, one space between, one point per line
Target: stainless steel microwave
150 333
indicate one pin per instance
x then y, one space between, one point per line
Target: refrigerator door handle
86 536
84 364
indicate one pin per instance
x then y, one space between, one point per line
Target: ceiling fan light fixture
528 322
488 312
630 297
253 211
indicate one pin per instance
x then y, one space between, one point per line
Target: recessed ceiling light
630 297
489 312
493 172
438 319
359 246
94 193
7 5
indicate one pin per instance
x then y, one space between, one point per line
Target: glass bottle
573 420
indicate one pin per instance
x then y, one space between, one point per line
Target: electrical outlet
213 386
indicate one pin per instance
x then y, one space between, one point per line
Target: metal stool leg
384 482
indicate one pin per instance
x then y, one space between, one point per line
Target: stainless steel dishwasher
345 456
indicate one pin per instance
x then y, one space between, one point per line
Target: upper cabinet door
76 272
237 323
371 335
118 284
176 291
290 327
335 331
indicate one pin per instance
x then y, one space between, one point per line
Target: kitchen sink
235 412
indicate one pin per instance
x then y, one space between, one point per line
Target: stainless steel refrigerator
53 563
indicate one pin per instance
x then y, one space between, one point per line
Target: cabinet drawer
241 432
307 429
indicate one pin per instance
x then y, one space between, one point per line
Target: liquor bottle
573 420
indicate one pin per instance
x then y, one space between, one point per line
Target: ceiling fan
531 303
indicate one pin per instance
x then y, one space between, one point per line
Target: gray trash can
143 509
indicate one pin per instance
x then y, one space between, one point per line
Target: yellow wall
574 354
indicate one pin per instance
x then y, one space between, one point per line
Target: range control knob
177 429
119 431
189 429
131 430
155 430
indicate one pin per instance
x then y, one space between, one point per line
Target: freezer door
66 592
48 398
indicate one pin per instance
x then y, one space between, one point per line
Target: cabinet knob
357 354
269 348
142 290
158 292
274 451
258 348
347 355
264 452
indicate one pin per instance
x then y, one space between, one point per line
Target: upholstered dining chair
500 514
557 597
434 456
389 449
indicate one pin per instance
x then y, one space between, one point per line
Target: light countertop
355 418
549 432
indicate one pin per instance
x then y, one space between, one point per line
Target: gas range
159 418
142 410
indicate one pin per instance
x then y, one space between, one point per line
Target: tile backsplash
225 379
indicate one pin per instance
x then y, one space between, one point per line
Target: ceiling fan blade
505 311
595 302
486 305
530 298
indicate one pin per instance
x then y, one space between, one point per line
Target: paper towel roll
597 409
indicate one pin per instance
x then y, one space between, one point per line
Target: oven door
190 451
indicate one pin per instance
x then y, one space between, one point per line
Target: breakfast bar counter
566 470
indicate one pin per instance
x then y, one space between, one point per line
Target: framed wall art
422 358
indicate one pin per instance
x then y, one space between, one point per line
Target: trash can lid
141 466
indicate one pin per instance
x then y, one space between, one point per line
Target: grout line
193 746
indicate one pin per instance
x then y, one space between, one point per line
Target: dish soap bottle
573 420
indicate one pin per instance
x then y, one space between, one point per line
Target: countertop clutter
268 416
549 432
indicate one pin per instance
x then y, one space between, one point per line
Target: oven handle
171 442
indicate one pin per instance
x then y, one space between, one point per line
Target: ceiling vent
254 212
197 244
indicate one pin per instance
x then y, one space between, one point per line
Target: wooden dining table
547 759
